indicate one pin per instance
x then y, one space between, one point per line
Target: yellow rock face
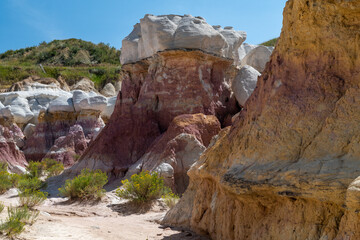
287 167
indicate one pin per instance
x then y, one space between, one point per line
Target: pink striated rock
52 126
9 152
154 92
67 148
178 148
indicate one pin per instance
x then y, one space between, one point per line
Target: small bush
5 181
142 187
31 199
170 199
88 185
2 206
30 184
52 167
3 167
16 220
35 169
15 179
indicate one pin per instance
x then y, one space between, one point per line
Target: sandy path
109 219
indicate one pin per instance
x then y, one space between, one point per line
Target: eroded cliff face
154 91
287 167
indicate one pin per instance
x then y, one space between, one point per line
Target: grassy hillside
270 43
72 59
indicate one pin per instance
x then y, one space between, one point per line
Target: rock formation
178 148
47 113
9 151
67 149
165 32
155 91
288 168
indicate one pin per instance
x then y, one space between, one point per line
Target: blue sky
25 23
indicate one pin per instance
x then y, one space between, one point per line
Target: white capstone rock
158 33
18 106
257 58
89 101
244 83
61 104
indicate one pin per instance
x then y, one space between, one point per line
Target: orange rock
284 168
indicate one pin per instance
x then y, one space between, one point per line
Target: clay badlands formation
274 157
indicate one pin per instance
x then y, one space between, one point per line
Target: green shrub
30 183
35 169
88 185
52 167
5 181
170 199
15 179
3 167
143 187
2 206
16 220
31 199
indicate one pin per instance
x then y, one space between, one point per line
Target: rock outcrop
165 32
9 151
172 154
54 128
67 149
288 168
155 91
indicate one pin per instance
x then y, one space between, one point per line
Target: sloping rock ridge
288 168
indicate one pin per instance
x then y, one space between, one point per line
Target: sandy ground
111 218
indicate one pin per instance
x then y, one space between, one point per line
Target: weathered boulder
288 168
154 92
244 83
164 32
109 90
244 49
29 130
67 149
9 152
257 58
85 85
178 148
